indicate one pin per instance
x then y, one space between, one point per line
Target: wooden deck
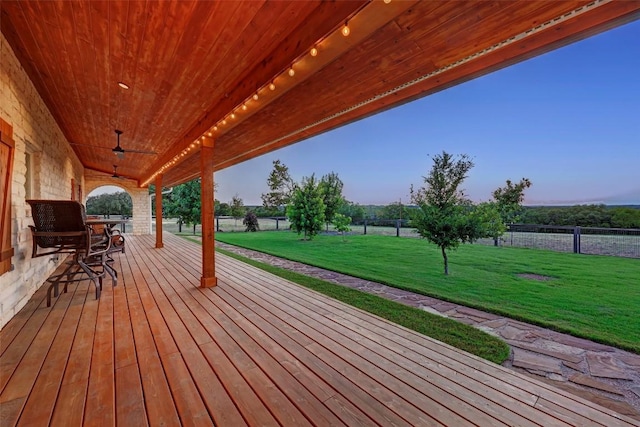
256 350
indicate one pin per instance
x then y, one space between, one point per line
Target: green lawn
595 297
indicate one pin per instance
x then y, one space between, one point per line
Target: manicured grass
595 297
446 330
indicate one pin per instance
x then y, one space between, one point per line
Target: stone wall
53 165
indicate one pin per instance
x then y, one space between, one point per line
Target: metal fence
622 242
584 240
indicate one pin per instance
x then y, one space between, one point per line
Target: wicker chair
60 228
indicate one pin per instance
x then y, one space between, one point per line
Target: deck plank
39 406
255 350
130 408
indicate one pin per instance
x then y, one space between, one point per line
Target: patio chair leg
95 277
53 286
113 273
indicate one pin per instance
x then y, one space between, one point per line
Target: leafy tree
280 189
306 208
250 222
237 208
223 209
491 222
184 204
331 189
341 223
395 210
509 199
353 210
624 217
444 215
118 203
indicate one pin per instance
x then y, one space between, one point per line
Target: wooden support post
159 243
208 226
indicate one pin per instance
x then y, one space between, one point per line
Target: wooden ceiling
190 64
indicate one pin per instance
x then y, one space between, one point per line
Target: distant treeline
579 215
583 216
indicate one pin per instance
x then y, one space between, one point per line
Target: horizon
567 120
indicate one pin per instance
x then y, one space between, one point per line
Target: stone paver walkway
600 373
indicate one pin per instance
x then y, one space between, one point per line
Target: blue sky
568 120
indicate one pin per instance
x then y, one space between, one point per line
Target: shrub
250 222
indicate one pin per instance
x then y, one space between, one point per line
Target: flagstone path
597 372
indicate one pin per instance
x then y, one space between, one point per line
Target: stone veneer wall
54 165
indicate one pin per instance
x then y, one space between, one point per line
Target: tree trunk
179 226
446 262
194 228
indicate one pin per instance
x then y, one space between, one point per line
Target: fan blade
140 152
90 146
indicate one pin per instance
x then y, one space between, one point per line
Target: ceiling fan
117 150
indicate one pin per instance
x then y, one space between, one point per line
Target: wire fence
622 242
584 240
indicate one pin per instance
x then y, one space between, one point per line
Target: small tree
280 188
444 215
237 209
331 189
491 222
184 204
354 210
509 199
306 209
250 222
341 223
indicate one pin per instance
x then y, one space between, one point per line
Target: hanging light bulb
292 72
313 51
224 122
244 107
272 86
233 115
215 128
255 96
345 30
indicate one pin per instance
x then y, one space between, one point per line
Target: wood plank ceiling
190 64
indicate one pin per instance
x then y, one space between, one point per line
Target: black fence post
365 226
397 228
218 224
576 240
277 223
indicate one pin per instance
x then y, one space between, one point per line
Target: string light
272 86
345 30
244 107
292 72
313 51
255 97
233 115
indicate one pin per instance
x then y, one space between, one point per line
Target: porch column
159 243
208 227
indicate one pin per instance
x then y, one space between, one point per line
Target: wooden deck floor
256 350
